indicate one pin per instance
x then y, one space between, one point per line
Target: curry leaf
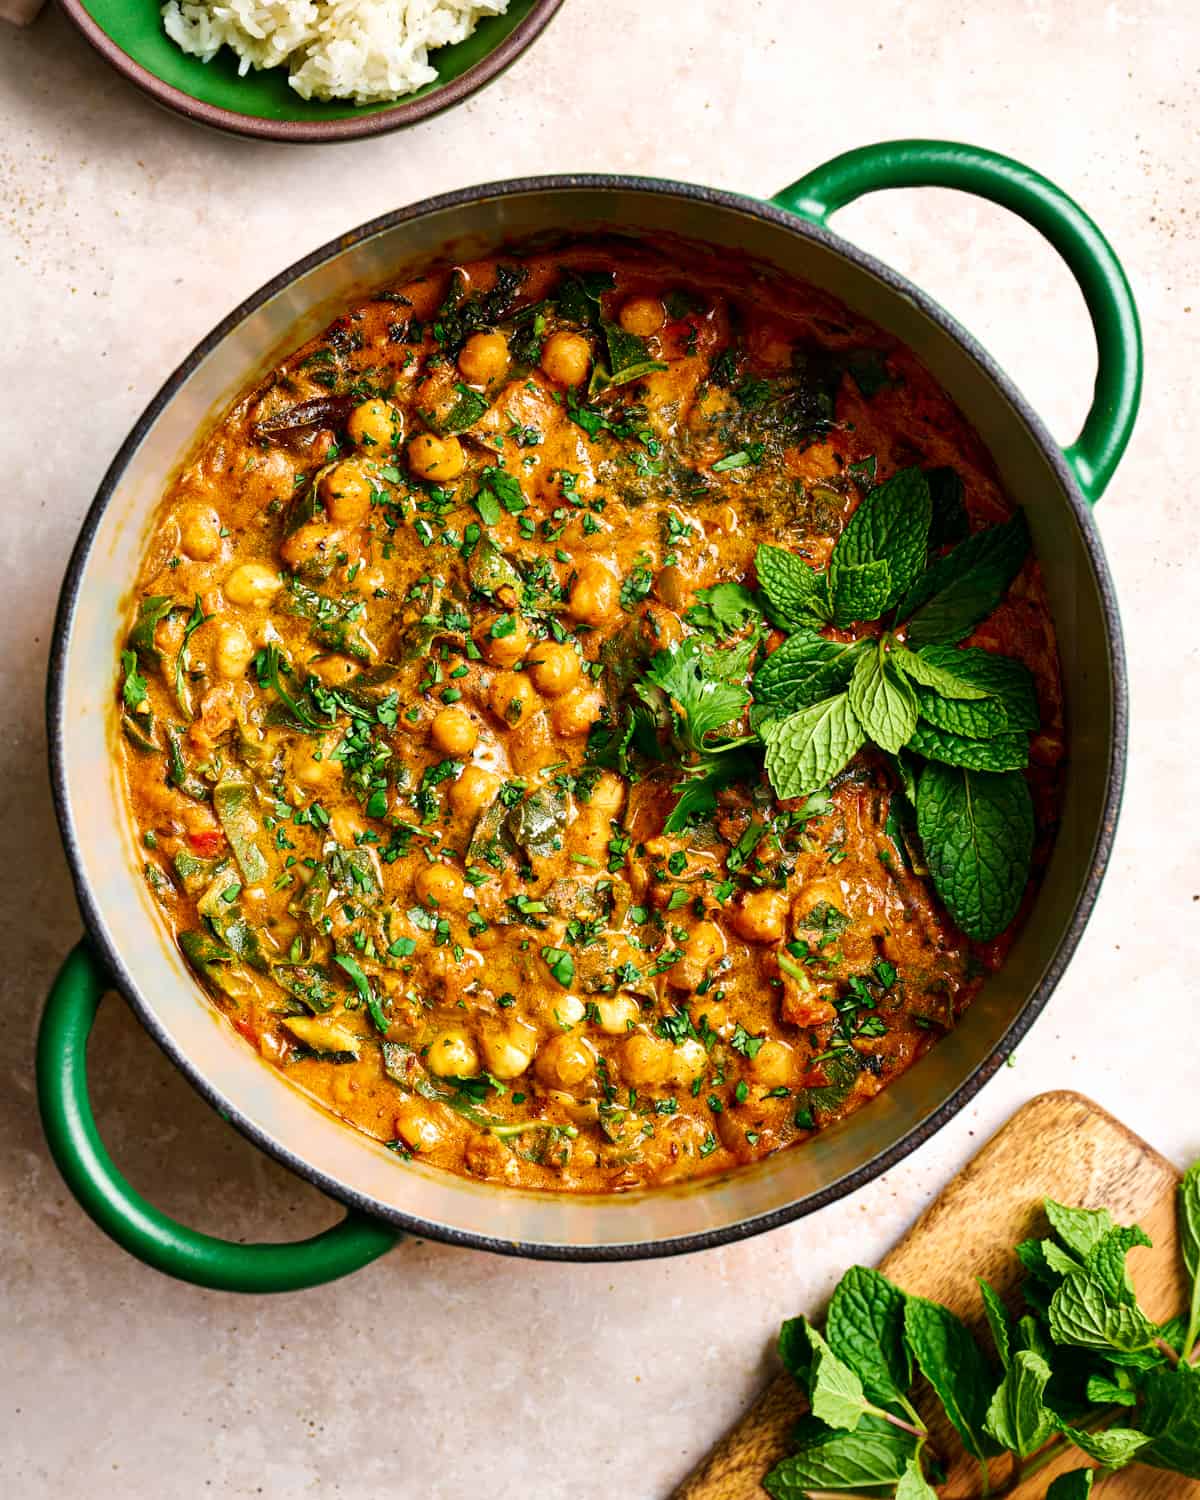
951 1361
865 1328
977 831
885 705
810 746
795 594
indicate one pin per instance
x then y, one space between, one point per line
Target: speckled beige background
124 235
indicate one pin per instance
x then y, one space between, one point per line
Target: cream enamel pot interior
127 939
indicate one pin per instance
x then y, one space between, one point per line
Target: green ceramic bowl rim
379 122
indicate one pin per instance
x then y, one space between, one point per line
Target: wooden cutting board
1059 1146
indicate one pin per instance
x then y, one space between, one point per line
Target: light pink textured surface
124 235
19 12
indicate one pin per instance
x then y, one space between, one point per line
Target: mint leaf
724 608
796 1351
1107 1261
1083 1315
805 669
1102 1392
1171 1419
913 1484
876 1454
795 594
1189 1244
998 1321
865 1327
1008 701
835 1392
891 525
1003 752
809 747
861 593
1058 1259
926 672
977 831
951 1361
1077 1485
950 522
959 590
884 705
1018 1417
1080 1229
1113 1447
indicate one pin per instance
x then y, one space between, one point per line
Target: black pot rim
988 1065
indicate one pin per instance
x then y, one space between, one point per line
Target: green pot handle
123 1214
897 164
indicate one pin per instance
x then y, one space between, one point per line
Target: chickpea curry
592 718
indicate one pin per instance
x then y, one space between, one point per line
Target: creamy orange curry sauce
421 794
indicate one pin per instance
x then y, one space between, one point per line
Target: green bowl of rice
309 70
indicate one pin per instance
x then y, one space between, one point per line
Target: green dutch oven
128 947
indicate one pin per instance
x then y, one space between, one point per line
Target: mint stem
1167 1350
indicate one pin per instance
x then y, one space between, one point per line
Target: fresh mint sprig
1083 1368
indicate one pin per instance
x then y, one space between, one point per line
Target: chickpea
313 764
761 916
454 731
234 651
562 1011
484 358
608 795
452 1054
440 885
595 595
705 944
688 1061
774 1065
511 697
417 1126
473 791
507 648
645 1059
554 668
309 545
346 494
508 1050
252 585
673 588
375 424
617 1013
564 1061
566 358
642 316
576 713
200 532
438 460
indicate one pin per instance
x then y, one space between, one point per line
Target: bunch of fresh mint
954 720
1084 1367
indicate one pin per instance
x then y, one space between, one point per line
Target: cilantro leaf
699 702
805 669
891 525
134 689
884 704
698 793
796 595
724 608
965 586
977 830
809 747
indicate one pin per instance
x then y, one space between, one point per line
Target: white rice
365 50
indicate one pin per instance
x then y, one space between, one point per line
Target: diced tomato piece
207 843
